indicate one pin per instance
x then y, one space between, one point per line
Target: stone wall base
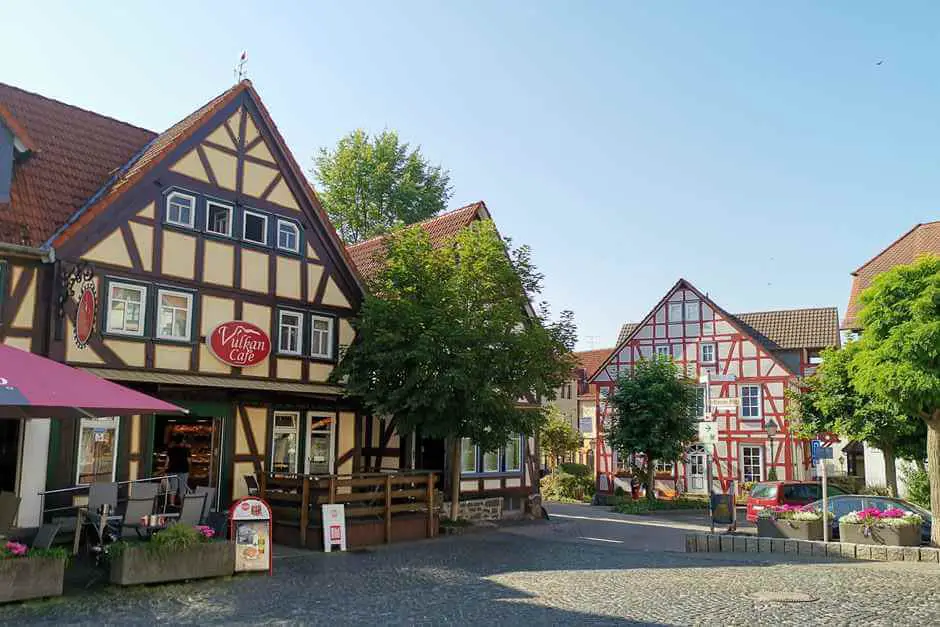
476 509
723 543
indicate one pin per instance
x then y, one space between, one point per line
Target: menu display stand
250 530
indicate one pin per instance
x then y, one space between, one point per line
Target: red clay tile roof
784 329
922 239
368 255
74 153
592 360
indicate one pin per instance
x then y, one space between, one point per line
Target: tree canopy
445 344
898 356
830 402
654 413
371 184
557 437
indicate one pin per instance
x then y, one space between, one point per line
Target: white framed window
675 312
127 306
255 227
752 463
677 352
662 351
513 454
218 218
97 450
490 461
321 433
175 315
180 209
321 337
750 401
708 353
691 311
468 456
663 468
285 442
288 236
290 326
701 401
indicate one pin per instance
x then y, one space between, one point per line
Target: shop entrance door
203 436
320 431
9 453
696 469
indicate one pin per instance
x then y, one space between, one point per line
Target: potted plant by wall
30 573
891 527
179 552
790 521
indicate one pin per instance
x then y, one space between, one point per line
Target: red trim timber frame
763 369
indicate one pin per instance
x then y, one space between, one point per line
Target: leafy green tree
371 184
829 402
899 353
654 409
446 346
557 437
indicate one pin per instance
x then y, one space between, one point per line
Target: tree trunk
650 479
933 467
454 478
891 470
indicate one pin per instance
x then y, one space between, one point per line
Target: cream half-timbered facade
209 222
742 377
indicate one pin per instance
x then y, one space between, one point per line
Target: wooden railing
365 495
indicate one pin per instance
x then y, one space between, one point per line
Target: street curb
724 543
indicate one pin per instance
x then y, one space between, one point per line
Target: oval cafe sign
239 343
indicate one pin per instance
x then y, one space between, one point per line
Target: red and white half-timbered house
743 363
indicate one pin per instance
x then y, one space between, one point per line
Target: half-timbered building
743 365
196 265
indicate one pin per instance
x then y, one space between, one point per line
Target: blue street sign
819 451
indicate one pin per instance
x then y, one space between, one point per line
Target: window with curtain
97 450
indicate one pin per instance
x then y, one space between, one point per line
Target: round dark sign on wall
85 315
239 343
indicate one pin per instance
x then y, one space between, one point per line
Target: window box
218 218
136 564
27 577
175 311
255 227
180 209
127 309
288 236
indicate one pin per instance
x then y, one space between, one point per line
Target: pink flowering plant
874 517
207 532
792 512
14 550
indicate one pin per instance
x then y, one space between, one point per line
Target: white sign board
334 527
708 433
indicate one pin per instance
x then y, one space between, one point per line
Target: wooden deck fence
365 496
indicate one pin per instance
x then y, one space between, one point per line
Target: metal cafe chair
45 537
9 506
191 512
252 483
137 508
209 500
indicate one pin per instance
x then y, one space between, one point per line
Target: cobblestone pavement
537 574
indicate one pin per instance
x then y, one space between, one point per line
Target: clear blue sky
755 149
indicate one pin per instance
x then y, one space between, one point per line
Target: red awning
32 386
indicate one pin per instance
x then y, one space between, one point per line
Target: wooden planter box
137 565
24 578
790 529
905 535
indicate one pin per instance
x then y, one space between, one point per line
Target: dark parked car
841 505
769 493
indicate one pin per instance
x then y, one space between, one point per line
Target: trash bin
635 488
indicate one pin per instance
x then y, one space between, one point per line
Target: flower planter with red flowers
790 522
30 573
891 527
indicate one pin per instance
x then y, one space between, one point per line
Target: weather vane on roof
240 72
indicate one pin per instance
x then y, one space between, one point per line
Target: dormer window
255 228
288 236
180 209
218 218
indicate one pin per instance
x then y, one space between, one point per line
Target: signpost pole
825 499
708 482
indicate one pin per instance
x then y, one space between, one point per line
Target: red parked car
769 493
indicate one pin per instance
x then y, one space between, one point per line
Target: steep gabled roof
625 330
591 360
920 240
74 152
368 256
